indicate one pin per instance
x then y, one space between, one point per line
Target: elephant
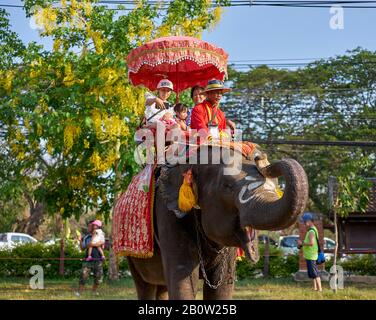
203 243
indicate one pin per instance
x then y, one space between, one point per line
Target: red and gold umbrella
186 61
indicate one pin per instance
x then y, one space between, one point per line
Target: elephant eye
227 185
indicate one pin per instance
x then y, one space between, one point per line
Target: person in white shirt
158 108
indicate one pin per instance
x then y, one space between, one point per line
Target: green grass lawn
261 289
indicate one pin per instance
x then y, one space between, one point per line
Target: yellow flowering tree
69 115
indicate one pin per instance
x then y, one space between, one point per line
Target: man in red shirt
208 116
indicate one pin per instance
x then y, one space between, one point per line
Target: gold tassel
187 199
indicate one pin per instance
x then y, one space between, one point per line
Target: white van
10 239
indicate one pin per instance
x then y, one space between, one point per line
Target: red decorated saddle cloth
132 230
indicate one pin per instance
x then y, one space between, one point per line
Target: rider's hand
159 104
231 124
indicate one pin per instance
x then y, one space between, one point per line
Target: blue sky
266 32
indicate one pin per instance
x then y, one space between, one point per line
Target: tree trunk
113 272
31 224
36 218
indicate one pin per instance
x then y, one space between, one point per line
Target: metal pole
177 83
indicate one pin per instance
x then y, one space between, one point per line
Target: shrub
17 262
279 265
357 264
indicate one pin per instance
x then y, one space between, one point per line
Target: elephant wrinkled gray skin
204 242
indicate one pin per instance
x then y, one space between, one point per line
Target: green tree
328 100
68 116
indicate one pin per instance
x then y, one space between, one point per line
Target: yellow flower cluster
6 78
109 127
146 31
42 104
19 136
26 122
191 27
49 147
17 151
36 68
164 30
115 127
109 75
86 144
69 76
102 164
71 132
132 99
96 117
76 182
46 19
57 45
21 155
39 130
87 7
92 192
97 38
217 16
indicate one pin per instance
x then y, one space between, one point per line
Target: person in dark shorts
310 250
95 265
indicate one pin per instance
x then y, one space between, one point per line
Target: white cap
165 83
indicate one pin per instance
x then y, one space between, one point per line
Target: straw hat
216 85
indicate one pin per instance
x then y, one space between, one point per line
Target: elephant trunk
266 211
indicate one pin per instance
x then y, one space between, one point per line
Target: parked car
263 237
289 245
55 241
12 239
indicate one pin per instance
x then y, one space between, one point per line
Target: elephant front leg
183 283
225 274
181 268
177 238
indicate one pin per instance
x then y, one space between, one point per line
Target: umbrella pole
177 83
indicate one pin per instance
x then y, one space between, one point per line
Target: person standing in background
310 250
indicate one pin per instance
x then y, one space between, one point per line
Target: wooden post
333 202
266 258
335 252
61 265
113 273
